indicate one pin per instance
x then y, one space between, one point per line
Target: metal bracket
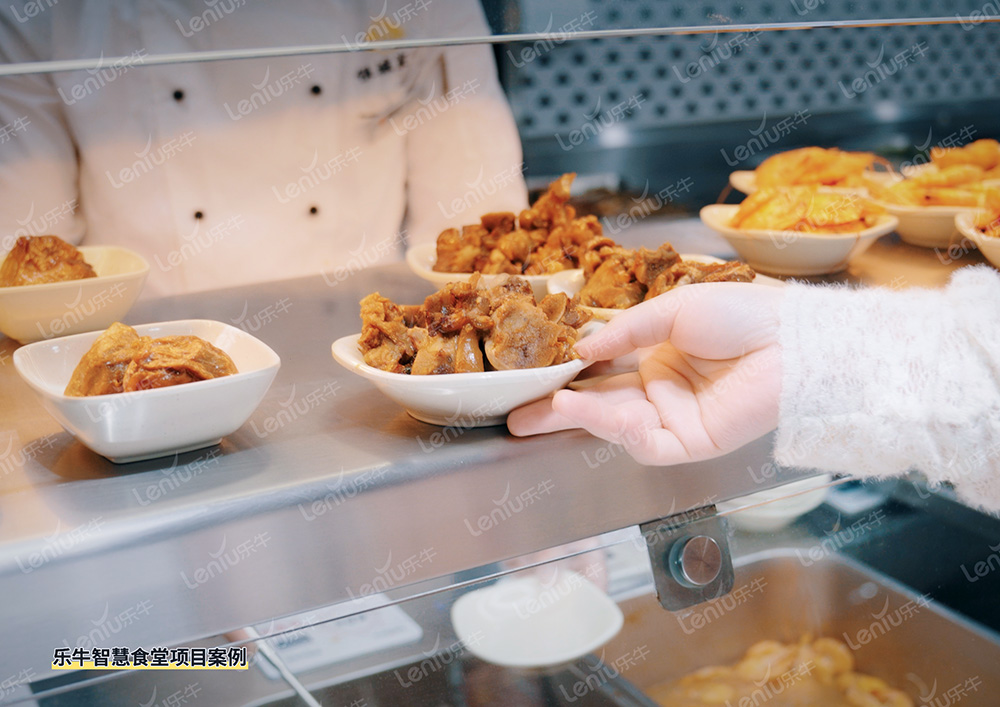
690 556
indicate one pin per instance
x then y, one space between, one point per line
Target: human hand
708 378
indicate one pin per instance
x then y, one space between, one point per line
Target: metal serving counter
330 492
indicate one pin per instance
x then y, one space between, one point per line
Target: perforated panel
694 79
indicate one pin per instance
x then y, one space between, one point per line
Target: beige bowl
925 226
36 312
988 246
793 252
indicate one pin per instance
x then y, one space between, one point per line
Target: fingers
711 320
634 424
541 417
537 418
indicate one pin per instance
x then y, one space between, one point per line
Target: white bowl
144 424
462 400
773 509
988 246
35 312
527 622
925 226
793 252
570 282
421 259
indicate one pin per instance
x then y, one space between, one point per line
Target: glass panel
822 604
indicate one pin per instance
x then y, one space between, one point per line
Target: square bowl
793 252
421 259
144 424
31 313
462 400
988 246
570 282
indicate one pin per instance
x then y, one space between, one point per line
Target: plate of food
544 239
470 353
831 168
931 196
50 288
799 230
133 393
982 226
616 278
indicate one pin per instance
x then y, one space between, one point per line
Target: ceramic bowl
144 424
462 399
35 312
793 252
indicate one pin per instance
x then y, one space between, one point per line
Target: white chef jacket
230 172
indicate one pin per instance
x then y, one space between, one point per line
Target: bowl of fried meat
152 390
50 288
799 230
470 353
542 240
614 278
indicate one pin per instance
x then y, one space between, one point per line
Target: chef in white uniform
230 172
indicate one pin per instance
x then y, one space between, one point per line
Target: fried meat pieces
465 327
36 260
121 361
545 238
618 278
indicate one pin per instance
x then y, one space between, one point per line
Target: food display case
363 557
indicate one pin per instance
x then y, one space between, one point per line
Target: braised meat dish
618 278
35 260
545 238
121 361
466 327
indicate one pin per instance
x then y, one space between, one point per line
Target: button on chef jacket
229 172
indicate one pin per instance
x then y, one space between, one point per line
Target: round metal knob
697 561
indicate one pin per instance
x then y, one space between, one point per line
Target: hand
708 378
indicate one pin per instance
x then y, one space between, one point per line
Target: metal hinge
690 556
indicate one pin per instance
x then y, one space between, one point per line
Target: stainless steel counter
330 492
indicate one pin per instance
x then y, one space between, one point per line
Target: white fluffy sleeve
876 382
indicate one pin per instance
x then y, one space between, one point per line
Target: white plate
35 312
571 282
988 246
527 622
144 424
462 400
925 226
793 252
421 259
